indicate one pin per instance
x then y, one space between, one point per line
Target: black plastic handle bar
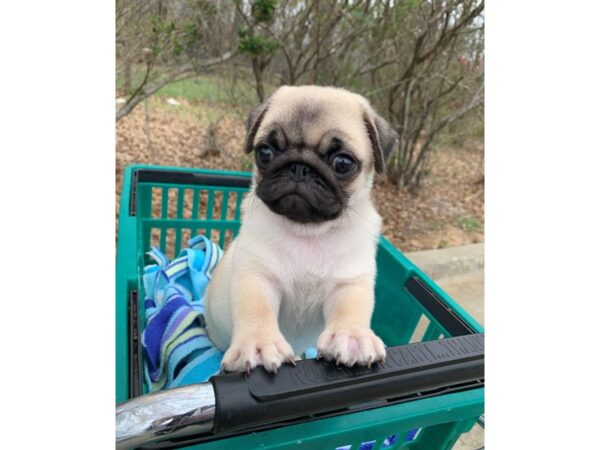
322 388
237 403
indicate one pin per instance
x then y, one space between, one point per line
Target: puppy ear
254 120
383 139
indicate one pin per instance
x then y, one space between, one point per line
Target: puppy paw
356 345
246 353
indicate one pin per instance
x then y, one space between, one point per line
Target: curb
451 261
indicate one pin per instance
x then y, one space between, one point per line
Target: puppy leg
348 337
256 340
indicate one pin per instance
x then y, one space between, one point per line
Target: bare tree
160 42
419 62
299 40
427 75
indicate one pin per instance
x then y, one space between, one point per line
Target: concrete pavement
459 272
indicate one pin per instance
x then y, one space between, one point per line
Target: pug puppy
302 268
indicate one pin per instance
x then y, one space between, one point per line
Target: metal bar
164 415
481 421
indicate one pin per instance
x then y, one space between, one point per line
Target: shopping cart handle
318 387
313 388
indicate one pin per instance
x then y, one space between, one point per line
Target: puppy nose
299 171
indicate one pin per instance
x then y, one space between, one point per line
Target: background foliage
420 63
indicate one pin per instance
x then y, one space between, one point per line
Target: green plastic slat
238 205
224 205
442 436
195 206
180 196
164 211
144 209
209 209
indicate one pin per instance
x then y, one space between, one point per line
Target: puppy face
315 148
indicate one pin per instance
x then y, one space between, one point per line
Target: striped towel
176 348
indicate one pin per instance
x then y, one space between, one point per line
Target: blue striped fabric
176 348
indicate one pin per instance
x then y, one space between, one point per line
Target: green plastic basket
165 206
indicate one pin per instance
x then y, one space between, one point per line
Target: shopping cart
429 391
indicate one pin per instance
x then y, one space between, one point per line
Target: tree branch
186 71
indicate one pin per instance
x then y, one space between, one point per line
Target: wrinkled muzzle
301 191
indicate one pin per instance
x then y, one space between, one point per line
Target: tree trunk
127 76
258 77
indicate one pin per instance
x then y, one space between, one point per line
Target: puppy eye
342 164
265 155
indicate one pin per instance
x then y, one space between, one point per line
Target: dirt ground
447 210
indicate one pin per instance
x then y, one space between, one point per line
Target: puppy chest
313 263
301 305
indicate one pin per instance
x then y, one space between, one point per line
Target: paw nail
247 368
274 369
338 358
291 360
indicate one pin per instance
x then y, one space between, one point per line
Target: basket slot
410 319
187 203
180 193
233 204
399 442
186 235
228 238
433 332
202 205
154 238
213 236
156 201
224 207
195 203
421 329
198 231
170 242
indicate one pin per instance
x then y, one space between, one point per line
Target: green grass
208 97
468 223
443 243
200 88
205 88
